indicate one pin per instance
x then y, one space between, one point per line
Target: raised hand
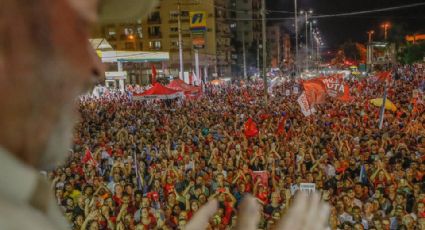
307 213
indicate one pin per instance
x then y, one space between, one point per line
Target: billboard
198 21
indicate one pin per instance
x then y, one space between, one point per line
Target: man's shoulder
21 216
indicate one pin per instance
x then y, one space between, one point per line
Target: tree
350 50
412 53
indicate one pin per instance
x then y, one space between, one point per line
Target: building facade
274 46
159 32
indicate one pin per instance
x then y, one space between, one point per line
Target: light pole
312 40
370 34
386 26
306 14
245 76
180 40
296 35
263 12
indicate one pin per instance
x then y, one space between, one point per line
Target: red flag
251 128
281 127
154 73
384 76
315 91
88 158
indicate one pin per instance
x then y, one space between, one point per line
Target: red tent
180 85
158 91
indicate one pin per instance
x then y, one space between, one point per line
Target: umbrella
388 104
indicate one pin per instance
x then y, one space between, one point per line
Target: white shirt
20 185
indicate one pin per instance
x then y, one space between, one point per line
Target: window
111 33
174 15
128 31
140 32
174 29
155 45
154 17
175 43
185 13
154 31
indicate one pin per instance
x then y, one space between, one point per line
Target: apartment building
159 32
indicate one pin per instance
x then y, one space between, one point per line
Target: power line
370 11
354 13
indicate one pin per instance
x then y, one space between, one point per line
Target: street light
296 36
370 33
306 14
386 26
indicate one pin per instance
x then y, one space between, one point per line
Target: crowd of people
152 164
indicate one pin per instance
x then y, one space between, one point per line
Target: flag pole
139 184
382 112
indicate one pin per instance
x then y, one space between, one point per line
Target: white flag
305 107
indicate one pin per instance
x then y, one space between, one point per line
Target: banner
335 87
305 107
287 92
295 90
198 21
308 188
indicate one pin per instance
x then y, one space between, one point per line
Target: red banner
335 87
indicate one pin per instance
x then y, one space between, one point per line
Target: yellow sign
198 21
99 53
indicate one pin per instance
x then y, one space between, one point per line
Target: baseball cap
124 10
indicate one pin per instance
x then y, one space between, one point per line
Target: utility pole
318 53
263 11
306 14
296 35
370 33
306 41
197 63
180 40
382 112
311 44
258 56
278 49
244 56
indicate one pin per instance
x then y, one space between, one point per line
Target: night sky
336 30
